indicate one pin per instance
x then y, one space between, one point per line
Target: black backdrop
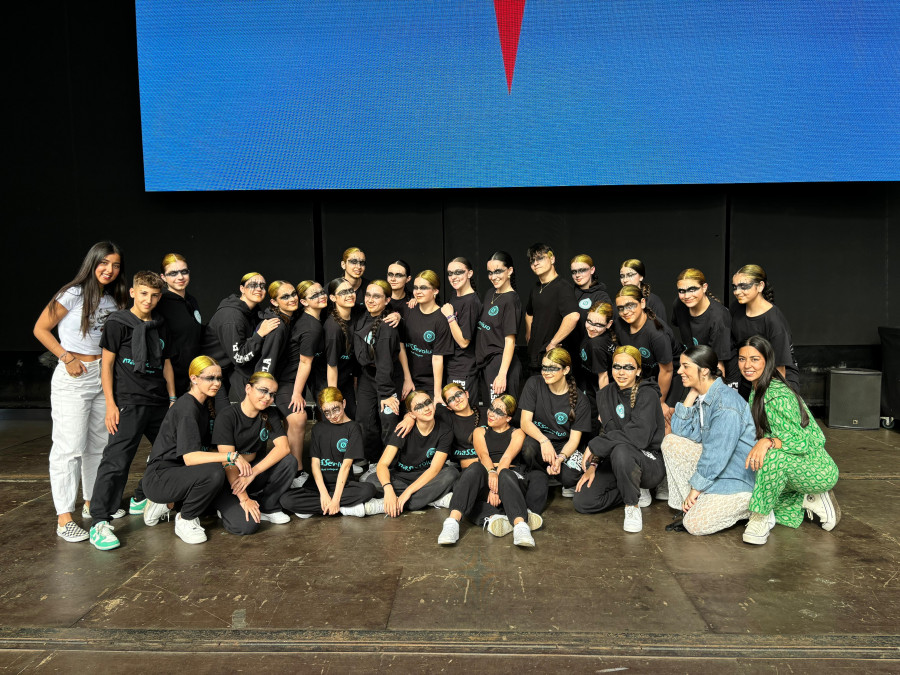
77 178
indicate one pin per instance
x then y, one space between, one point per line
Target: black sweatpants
619 479
112 474
470 495
306 499
513 378
532 461
434 489
194 487
267 489
376 424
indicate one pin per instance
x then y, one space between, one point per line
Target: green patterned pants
785 478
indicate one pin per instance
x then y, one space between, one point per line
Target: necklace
543 285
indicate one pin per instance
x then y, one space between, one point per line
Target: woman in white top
78 312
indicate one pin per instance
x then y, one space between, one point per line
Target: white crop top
69 327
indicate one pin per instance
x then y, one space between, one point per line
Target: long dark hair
770 372
91 290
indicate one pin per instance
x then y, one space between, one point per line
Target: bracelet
173 398
384 485
771 443
493 471
561 457
451 318
62 356
546 440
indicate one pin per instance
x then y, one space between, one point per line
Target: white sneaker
154 512
85 511
449 533
368 472
357 469
374 506
522 535
633 520
120 513
645 499
498 525
298 482
825 506
758 527
535 522
443 502
662 490
303 516
276 517
359 510
189 531
568 493
72 532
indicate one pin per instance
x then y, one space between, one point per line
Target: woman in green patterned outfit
793 470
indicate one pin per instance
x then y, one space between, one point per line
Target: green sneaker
102 536
136 508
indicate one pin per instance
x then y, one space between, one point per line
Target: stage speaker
853 398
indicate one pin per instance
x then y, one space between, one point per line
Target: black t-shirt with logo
462 447
248 435
501 314
415 452
772 325
712 328
333 443
551 412
185 428
548 304
307 339
593 358
654 344
462 363
339 349
425 335
129 386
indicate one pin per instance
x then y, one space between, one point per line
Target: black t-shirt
339 348
400 306
426 335
655 303
415 452
548 304
185 428
248 435
654 345
712 328
500 316
462 427
772 325
307 339
585 299
593 358
333 443
551 412
462 363
129 386
185 328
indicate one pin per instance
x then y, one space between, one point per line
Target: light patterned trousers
710 513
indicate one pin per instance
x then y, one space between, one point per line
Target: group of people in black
420 396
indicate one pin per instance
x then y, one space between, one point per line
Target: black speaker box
853 398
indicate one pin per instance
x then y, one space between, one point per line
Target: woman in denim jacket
712 433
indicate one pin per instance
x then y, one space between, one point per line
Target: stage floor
375 594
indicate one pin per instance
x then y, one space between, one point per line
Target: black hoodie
183 323
274 345
231 337
642 428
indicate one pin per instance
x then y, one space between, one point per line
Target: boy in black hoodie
232 339
139 387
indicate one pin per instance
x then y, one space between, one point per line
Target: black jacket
183 324
642 428
231 337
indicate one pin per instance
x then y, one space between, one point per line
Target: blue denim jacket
727 434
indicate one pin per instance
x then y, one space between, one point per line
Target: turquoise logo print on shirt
561 418
585 303
197 316
342 445
430 452
645 353
429 336
583 355
493 311
162 343
263 434
620 411
695 342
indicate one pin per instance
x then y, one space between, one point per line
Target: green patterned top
783 414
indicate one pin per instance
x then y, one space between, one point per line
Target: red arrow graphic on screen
509 24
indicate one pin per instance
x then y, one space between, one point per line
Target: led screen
329 94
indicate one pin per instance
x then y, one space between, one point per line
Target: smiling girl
495 342
462 312
181 312
428 339
78 312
